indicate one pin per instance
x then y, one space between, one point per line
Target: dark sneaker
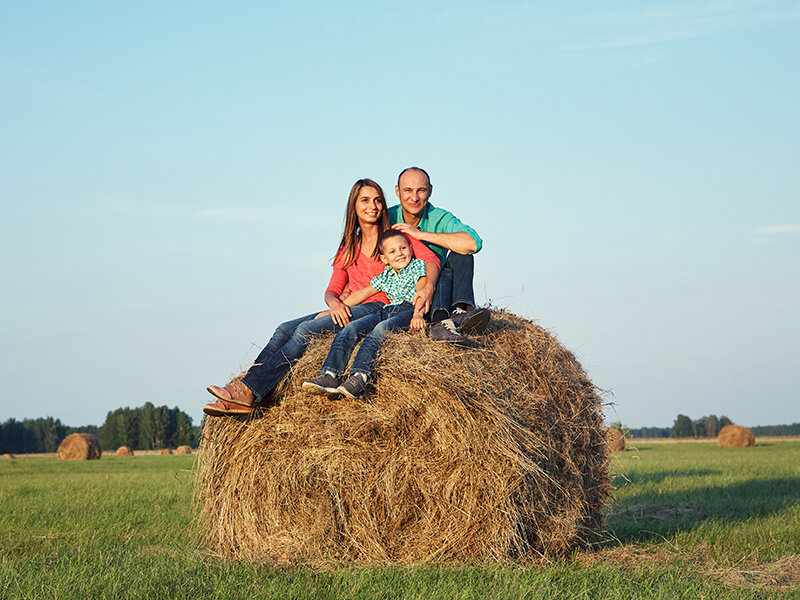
321 384
354 387
446 331
471 322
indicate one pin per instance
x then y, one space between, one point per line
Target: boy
400 280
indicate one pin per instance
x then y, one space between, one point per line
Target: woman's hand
340 312
322 314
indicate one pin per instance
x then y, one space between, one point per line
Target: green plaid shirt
400 286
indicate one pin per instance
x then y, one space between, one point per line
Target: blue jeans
288 344
454 286
374 326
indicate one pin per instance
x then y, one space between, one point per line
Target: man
453 304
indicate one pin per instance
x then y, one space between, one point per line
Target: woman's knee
287 328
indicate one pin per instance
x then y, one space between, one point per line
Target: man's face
413 191
396 252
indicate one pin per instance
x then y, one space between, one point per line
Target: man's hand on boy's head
417 322
408 230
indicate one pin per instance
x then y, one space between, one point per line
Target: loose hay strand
479 455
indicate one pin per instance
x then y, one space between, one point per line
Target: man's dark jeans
288 344
375 327
454 286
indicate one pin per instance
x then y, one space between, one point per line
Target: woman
355 264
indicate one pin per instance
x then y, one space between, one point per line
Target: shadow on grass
650 516
658 477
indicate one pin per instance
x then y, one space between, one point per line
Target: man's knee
459 262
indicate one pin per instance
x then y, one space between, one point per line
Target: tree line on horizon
147 427
707 427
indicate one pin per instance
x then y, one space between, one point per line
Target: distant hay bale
6 456
79 446
166 451
735 436
183 450
465 455
124 451
615 440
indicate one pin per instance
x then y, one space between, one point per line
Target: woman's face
369 205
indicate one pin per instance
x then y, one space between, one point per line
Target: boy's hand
417 322
322 314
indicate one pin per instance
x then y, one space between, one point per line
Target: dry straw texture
615 440
124 451
79 446
166 451
183 450
6 456
735 436
478 455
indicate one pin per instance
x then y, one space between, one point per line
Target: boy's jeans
288 344
374 326
454 285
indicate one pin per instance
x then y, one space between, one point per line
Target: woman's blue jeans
454 285
288 344
375 327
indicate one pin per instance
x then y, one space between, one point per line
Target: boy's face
396 252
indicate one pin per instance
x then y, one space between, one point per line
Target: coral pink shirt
364 268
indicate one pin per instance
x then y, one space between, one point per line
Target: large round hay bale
183 450
79 446
166 451
735 436
124 451
615 440
6 456
464 455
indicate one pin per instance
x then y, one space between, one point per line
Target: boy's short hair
390 233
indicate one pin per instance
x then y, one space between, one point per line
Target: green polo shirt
437 220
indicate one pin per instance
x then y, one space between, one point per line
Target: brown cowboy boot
235 392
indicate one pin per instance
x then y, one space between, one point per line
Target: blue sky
173 178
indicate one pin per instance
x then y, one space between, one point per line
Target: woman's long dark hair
351 236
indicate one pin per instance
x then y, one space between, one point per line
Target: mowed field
689 520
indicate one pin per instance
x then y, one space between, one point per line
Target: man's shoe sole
476 323
318 390
215 410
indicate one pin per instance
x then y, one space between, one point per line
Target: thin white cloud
778 229
681 21
238 213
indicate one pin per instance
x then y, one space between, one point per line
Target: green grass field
690 520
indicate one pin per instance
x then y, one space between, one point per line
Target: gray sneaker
446 331
353 388
471 322
321 384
